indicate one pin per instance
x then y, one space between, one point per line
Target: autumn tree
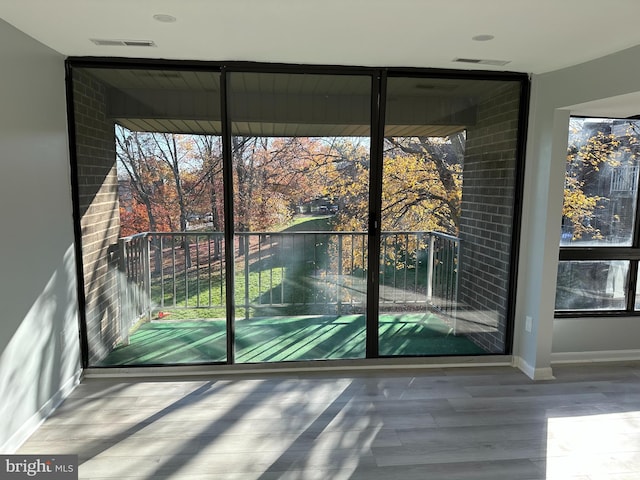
249 155
171 172
422 188
133 219
147 197
207 149
422 179
142 174
172 149
271 176
595 153
344 179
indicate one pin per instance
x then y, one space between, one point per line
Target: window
599 244
265 213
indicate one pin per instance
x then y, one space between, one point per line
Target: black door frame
378 109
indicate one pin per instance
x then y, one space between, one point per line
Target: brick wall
487 219
100 220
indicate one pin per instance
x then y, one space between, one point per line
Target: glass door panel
300 163
150 162
447 199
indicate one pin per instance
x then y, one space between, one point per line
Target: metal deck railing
288 273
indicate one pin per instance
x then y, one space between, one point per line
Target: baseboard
533 373
596 356
32 424
382 364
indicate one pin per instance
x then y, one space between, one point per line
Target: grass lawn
269 278
308 223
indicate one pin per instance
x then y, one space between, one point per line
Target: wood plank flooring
475 423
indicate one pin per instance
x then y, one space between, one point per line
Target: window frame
608 253
378 76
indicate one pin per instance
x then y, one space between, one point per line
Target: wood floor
467 423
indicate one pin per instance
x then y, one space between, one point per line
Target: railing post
339 277
455 286
146 279
123 286
245 239
430 266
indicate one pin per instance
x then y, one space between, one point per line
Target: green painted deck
278 339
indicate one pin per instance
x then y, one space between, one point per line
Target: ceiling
289 104
534 36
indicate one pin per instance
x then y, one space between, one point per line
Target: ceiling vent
123 43
480 61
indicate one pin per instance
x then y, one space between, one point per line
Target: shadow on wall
98 209
44 345
101 290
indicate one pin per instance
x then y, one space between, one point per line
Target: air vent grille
122 43
481 61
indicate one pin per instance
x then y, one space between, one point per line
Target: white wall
593 339
39 346
553 95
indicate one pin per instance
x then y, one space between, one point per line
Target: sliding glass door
256 213
300 164
448 197
149 165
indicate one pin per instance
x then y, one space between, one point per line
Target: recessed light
164 18
482 38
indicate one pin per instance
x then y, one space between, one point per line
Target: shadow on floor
295 338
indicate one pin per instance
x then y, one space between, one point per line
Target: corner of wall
29 427
540 373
